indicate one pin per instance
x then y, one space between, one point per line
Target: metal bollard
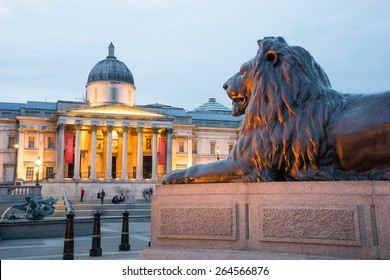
125 246
96 250
69 237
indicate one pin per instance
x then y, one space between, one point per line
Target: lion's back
361 132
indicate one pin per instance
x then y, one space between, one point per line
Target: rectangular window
50 142
30 173
114 94
49 172
231 148
11 142
194 147
181 146
212 148
9 173
31 140
148 143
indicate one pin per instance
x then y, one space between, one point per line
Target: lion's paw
174 177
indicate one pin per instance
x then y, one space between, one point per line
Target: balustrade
22 190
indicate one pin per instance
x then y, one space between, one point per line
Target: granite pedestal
342 219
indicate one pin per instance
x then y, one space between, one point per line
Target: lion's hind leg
312 174
256 176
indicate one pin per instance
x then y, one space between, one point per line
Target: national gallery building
107 141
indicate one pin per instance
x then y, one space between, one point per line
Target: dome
110 69
212 105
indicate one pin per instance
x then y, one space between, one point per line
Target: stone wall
328 219
131 190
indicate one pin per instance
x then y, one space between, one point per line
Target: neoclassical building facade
107 137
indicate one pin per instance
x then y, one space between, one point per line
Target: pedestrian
146 194
115 200
82 192
102 195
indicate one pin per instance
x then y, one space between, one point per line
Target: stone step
58 214
139 211
84 206
106 217
119 219
111 212
104 212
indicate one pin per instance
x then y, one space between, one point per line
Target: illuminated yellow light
118 111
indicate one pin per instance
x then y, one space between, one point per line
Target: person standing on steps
82 192
102 195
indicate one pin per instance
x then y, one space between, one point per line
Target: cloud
181 52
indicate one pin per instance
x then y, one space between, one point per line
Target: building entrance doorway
147 173
113 166
71 169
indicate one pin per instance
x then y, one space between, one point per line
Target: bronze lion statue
296 127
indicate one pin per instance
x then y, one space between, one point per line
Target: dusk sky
181 52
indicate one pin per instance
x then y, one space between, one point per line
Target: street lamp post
217 153
38 162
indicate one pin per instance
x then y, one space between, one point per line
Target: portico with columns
109 147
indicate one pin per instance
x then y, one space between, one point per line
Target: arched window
114 94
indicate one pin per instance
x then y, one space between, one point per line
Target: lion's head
287 99
283 62
239 88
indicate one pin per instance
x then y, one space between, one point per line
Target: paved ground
52 248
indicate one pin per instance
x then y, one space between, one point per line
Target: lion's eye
242 71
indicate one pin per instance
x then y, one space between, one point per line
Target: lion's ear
272 56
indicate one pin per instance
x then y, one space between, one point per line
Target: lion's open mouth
237 100
239 104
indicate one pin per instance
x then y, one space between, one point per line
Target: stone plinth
341 219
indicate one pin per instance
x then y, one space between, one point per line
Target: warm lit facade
107 138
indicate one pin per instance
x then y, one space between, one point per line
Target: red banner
162 147
69 140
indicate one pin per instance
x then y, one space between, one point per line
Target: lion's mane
289 109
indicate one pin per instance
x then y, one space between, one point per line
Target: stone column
41 148
60 152
189 151
125 141
140 159
76 174
169 149
20 166
92 175
154 153
109 153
